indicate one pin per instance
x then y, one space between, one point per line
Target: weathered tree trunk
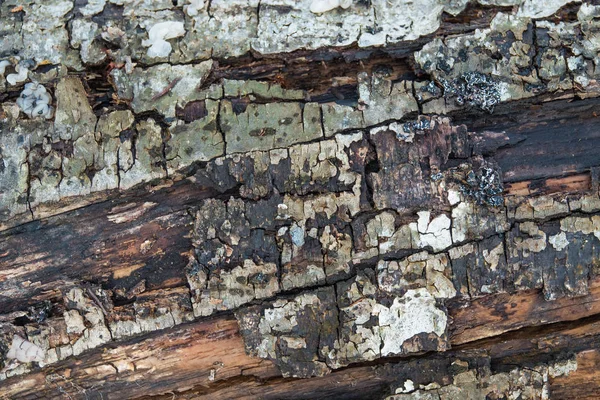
250 199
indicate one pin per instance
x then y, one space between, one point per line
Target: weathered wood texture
395 200
207 360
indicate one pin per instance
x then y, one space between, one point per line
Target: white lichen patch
536 240
313 24
433 233
414 314
541 207
471 221
559 241
293 332
397 314
398 129
562 368
158 35
35 101
581 224
321 6
453 197
151 312
24 351
418 270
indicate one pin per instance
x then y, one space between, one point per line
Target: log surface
395 200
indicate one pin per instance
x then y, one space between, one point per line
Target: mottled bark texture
245 199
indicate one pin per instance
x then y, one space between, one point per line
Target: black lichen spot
37 313
432 88
239 105
126 135
192 111
63 147
484 186
443 65
373 30
259 279
413 126
474 89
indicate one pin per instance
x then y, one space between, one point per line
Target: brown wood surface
206 359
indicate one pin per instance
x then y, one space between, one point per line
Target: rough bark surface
273 199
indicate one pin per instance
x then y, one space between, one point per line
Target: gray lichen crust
518 56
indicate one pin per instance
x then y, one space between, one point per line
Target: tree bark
248 199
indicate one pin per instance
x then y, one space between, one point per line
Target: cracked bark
357 211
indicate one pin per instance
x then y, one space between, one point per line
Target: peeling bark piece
480 268
383 99
269 126
85 319
323 166
434 233
200 140
412 324
74 116
540 207
418 270
228 290
474 222
235 262
561 270
143 159
338 118
293 333
252 173
83 37
93 166
142 86
260 90
302 261
14 171
150 312
405 169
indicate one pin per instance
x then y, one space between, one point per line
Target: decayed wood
206 359
414 215
579 385
112 240
130 223
105 241
494 315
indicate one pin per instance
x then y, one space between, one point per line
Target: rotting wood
385 200
211 362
